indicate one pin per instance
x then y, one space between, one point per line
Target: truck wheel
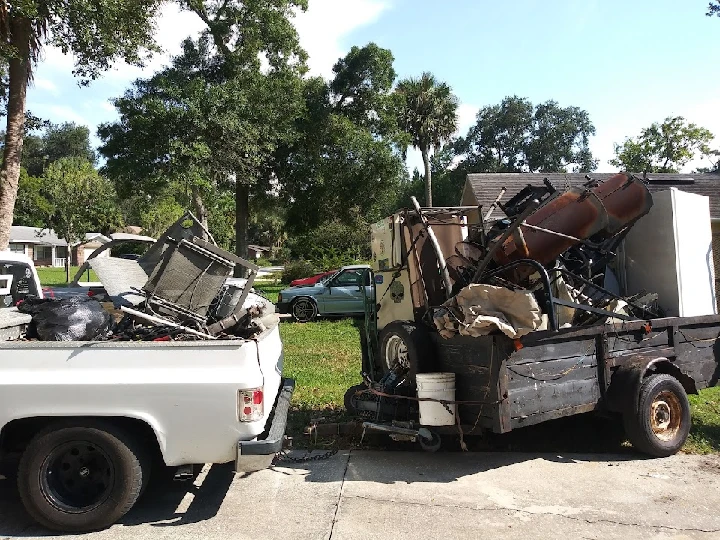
661 423
81 478
304 310
406 345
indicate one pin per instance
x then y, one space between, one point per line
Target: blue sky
628 63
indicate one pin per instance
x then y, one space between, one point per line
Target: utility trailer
638 364
640 369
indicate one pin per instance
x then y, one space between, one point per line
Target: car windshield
327 278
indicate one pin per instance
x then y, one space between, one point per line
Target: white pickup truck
89 418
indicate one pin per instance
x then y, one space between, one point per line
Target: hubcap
396 353
77 477
665 415
303 310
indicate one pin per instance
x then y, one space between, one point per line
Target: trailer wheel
406 345
81 478
430 445
661 423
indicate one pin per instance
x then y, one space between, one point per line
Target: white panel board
669 251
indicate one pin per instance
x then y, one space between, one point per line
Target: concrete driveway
366 495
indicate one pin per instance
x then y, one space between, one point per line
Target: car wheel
405 348
661 423
81 478
303 310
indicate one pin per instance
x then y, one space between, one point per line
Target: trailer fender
624 388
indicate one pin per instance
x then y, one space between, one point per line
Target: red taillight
91 293
250 405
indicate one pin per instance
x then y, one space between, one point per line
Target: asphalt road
369 495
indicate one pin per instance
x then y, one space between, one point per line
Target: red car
309 281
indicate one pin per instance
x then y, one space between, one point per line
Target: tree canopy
663 147
345 155
96 32
517 136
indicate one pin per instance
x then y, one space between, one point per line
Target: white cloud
326 23
45 84
64 113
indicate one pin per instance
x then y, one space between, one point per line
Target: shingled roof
483 188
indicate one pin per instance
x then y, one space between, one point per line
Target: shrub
262 261
297 269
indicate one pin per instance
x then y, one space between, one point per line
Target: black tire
661 423
303 309
350 398
407 344
81 477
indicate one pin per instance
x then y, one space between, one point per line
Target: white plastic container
439 386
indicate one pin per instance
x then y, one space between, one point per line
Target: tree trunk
18 72
200 210
428 176
242 217
68 260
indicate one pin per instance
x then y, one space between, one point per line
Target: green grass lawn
55 277
324 358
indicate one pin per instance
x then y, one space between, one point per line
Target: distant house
255 252
483 189
45 248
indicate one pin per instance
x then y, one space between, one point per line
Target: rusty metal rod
436 245
529 209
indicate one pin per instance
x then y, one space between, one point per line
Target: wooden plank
542 398
552 415
553 351
521 376
625 342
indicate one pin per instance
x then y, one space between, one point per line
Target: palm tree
428 113
19 47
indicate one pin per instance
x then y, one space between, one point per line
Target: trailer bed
547 375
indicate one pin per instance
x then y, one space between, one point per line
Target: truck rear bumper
258 454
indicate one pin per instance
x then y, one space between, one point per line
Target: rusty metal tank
580 213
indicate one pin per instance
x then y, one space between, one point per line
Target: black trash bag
78 318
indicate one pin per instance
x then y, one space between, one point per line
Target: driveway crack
533 513
340 495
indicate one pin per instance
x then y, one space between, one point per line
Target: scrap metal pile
549 263
179 290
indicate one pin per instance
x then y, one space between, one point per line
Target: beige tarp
480 309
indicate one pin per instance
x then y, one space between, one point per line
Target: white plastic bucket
440 386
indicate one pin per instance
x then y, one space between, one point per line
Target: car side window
347 278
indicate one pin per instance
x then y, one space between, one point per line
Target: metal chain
283 456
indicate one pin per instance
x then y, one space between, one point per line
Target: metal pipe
436 245
164 322
495 203
529 209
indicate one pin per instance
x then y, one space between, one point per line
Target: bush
262 261
297 270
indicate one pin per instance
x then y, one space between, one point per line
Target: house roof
483 188
34 235
258 248
96 237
